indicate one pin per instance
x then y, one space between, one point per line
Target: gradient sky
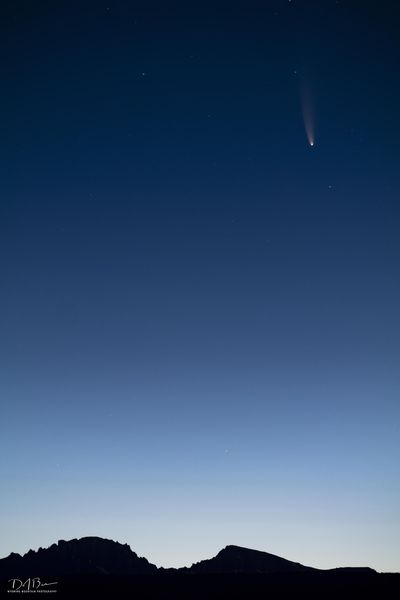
199 312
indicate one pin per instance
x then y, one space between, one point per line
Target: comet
307 106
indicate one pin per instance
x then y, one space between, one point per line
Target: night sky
199 311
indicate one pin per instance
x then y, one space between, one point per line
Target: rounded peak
231 548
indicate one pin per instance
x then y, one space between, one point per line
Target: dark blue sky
199 311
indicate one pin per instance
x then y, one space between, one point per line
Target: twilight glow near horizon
199 313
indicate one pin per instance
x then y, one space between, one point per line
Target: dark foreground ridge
93 567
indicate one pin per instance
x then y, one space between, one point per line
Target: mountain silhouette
234 559
93 567
86 556
99 556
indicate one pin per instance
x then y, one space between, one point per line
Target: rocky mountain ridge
99 556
